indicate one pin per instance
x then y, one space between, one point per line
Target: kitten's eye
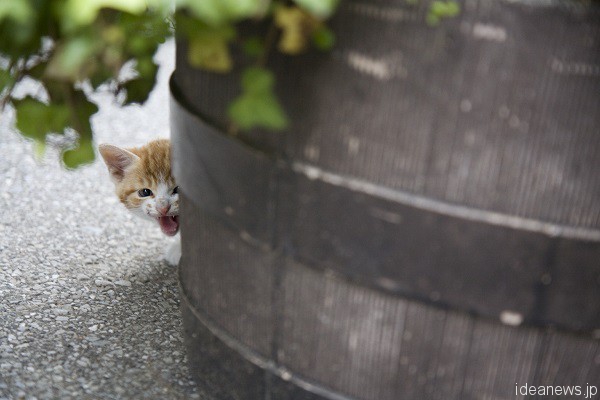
144 192
176 190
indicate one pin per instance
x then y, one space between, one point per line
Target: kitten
145 185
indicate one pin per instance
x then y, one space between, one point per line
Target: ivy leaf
448 8
323 38
76 13
80 110
100 76
257 105
218 12
37 71
257 80
253 46
319 8
295 25
82 154
208 47
138 89
142 34
71 58
6 80
209 53
23 25
18 10
442 9
36 119
249 111
81 113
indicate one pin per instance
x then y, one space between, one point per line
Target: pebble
85 308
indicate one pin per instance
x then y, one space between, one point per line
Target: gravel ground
88 309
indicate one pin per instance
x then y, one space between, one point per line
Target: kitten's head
143 181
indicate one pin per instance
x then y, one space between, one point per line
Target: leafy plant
73 47
68 45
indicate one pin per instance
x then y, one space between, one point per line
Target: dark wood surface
429 226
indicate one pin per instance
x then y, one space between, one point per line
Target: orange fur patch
153 167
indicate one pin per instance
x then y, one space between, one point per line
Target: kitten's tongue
169 225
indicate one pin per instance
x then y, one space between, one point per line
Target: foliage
439 10
257 106
72 47
68 44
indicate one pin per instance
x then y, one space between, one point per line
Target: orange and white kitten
145 185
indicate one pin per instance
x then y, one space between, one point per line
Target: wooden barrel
428 227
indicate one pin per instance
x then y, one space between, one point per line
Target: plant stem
269 42
77 125
18 77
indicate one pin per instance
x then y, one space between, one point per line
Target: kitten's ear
117 160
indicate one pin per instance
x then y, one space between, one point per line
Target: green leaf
36 119
23 27
218 12
82 154
141 34
71 58
138 89
319 8
257 80
6 79
448 8
253 46
257 106
209 54
208 47
442 9
295 26
100 76
37 71
76 13
250 110
323 38
80 113
18 10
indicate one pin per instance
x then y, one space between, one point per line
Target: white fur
173 253
163 195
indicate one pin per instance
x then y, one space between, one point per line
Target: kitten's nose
164 210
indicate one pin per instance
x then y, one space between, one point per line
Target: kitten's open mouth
169 224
